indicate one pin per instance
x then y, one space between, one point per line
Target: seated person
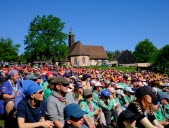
158 112
105 106
31 110
164 99
73 116
122 98
91 109
142 107
127 119
11 91
96 92
59 98
129 93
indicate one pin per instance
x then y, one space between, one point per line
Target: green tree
45 39
145 51
8 50
162 58
116 53
112 55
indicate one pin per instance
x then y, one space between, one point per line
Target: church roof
77 49
95 52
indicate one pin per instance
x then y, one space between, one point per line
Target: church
84 55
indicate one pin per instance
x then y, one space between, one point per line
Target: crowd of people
48 96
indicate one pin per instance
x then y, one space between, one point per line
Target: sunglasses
39 92
65 85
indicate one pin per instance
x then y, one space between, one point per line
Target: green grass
123 69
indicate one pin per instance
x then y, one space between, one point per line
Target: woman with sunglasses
31 110
142 107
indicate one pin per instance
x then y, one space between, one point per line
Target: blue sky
115 24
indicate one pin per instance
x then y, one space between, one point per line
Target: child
127 119
73 116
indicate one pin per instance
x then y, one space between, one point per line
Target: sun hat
73 110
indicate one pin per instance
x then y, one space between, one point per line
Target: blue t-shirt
7 88
30 114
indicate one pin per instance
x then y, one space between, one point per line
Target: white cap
154 89
118 91
93 81
97 71
97 84
119 86
113 83
112 90
128 89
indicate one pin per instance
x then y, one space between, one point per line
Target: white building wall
80 61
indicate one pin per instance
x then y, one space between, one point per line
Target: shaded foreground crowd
50 97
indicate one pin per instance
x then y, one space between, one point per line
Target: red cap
48 73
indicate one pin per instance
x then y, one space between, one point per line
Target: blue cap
78 85
30 87
66 74
163 95
105 93
73 110
85 76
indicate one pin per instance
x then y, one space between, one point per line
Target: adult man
58 99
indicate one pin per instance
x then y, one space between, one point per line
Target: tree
45 39
8 50
162 57
145 51
112 55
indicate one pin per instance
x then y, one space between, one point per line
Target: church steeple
71 38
